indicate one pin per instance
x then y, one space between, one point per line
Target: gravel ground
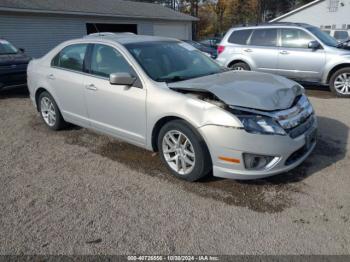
77 192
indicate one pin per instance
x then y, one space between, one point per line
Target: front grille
302 128
295 115
297 119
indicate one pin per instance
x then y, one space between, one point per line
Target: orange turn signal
231 160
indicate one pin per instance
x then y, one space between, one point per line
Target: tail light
221 49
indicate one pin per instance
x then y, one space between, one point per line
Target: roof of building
108 8
296 10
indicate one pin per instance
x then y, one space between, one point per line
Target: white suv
298 51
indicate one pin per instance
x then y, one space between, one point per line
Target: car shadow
14 92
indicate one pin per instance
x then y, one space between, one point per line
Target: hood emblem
13 66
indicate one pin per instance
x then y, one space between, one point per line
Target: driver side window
106 60
295 38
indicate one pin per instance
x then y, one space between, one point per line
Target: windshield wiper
171 79
342 43
181 78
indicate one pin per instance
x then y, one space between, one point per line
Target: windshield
324 37
172 61
6 48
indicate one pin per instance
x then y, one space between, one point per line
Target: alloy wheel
342 83
238 68
178 152
48 112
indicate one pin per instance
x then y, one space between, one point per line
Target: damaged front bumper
285 152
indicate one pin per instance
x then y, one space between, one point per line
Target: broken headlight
261 125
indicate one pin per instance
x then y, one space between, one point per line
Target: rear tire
340 82
184 151
50 112
240 66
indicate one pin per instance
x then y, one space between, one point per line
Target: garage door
179 31
39 34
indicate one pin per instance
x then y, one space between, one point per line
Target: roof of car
127 38
277 24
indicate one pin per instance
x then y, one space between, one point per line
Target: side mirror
314 45
22 50
124 79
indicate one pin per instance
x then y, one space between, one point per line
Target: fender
333 65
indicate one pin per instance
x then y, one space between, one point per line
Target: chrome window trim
87 74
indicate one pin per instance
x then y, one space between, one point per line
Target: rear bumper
225 142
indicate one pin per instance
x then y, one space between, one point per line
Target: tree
217 16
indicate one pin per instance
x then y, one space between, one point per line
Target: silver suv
298 51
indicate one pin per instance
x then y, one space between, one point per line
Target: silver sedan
164 95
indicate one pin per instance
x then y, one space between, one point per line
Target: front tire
340 82
49 112
183 151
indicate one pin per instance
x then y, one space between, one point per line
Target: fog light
258 162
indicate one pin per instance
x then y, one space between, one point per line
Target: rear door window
240 37
71 57
264 37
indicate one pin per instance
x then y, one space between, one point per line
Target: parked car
211 51
297 51
13 65
339 35
212 42
164 95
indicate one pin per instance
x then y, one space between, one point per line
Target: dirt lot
77 192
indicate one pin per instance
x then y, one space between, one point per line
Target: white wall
319 15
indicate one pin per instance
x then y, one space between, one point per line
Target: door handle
91 87
51 76
248 50
284 53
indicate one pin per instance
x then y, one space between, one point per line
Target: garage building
39 25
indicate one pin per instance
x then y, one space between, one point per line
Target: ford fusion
166 96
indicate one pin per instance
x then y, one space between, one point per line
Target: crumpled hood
14 59
246 89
